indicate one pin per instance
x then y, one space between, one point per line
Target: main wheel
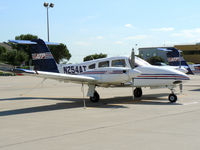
95 98
137 92
172 98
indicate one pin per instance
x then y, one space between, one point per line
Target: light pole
47 5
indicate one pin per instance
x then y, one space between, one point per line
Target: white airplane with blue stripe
105 72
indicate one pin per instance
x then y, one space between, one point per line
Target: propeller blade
132 62
133 97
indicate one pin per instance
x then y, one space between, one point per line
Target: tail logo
46 55
172 59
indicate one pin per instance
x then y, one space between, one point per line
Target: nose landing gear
172 97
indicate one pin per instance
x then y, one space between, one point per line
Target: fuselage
115 71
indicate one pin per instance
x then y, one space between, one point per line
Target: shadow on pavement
112 103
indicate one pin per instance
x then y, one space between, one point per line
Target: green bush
94 56
155 59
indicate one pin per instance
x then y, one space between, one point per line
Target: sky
112 27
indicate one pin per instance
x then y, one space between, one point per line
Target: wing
57 76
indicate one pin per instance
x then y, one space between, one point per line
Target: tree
14 57
60 52
155 59
94 56
2 51
21 57
9 57
25 48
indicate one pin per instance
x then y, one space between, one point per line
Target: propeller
133 72
132 63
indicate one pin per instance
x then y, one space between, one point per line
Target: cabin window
92 66
118 63
104 64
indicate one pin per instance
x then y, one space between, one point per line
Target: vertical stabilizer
42 58
176 59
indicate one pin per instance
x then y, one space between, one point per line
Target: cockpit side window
118 63
104 64
92 66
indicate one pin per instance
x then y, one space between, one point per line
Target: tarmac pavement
50 115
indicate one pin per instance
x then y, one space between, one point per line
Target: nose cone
134 73
184 76
177 74
164 73
182 70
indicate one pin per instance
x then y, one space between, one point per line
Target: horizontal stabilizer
164 49
27 42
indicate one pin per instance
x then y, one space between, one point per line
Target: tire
95 98
172 98
137 92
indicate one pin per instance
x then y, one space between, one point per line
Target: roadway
51 115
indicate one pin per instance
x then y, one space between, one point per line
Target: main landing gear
95 98
92 93
137 92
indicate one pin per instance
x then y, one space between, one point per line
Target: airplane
105 72
174 57
176 60
195 69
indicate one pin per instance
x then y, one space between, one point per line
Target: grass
6 74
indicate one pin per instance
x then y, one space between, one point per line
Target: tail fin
176 59
42 58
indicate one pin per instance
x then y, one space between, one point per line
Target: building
191 53
149 52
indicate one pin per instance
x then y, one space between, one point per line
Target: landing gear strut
172 97
137 92
95 98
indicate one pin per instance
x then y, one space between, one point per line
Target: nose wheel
172 98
